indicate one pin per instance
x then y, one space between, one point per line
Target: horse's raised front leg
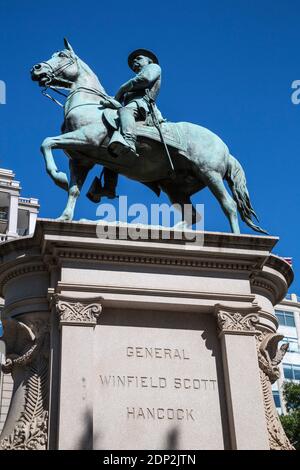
78 174
71 140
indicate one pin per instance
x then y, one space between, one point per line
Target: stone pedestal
145 344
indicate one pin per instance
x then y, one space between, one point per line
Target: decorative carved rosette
231 321
237 322
79 312
269 358
27 353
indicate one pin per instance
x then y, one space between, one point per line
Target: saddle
170 131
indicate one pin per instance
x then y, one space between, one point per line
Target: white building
288 316
17 214
17 218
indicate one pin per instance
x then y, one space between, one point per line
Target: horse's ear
68 46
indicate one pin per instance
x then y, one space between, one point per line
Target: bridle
55 72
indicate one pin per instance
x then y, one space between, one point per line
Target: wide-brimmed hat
144 52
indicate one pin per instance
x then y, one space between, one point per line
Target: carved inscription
157 353
179 414
159 382
131 381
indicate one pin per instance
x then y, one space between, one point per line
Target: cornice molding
21 269
142 291
162 260
275 286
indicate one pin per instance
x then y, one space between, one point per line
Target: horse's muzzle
38 74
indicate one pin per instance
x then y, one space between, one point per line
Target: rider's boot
130 140
97 191
125 143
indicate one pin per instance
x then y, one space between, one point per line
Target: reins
44 92
81 88
55 74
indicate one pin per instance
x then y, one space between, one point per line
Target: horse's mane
89 71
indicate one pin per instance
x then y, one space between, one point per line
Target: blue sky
227 65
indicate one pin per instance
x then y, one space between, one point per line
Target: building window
293 344
22 232
3 213
276 397
291 371
285 318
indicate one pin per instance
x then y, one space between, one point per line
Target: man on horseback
135 95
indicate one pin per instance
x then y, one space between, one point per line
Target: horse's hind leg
189 214
216 184
78 174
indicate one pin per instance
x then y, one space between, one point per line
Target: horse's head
61 70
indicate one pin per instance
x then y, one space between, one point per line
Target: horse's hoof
182 226
64 218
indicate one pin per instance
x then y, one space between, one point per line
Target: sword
156 123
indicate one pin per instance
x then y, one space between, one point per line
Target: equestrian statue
127 135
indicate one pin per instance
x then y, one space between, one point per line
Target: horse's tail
236 179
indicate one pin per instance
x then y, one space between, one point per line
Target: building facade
288 316
17 214
17 218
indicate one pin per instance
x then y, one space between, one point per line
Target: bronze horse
86 134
